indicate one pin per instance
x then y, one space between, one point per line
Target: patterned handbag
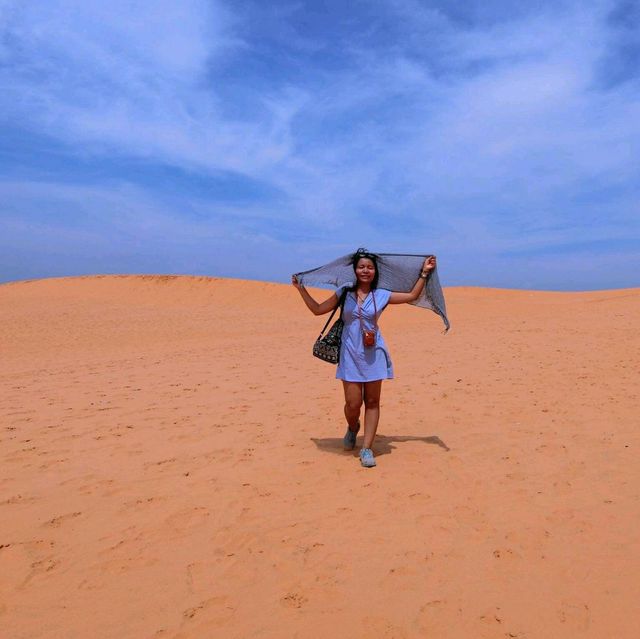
327 348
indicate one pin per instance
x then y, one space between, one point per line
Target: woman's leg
352 403
372 392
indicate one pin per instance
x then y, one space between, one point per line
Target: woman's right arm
317 308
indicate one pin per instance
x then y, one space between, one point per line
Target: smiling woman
364 359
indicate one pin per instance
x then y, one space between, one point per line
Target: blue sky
255 139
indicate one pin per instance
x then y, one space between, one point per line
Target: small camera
368 337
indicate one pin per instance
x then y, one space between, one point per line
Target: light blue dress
360 363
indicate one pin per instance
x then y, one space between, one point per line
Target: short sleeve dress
360 363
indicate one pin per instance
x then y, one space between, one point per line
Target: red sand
171 466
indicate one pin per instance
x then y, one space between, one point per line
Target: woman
363 367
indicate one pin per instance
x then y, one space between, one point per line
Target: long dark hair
356 257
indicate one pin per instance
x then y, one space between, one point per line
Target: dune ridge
171 466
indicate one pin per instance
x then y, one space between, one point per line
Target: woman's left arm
418 287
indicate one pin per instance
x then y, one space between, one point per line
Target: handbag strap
340 304
375 312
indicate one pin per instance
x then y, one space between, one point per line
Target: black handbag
327 348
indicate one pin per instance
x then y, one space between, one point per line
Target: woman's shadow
384 444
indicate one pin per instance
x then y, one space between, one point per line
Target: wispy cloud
487 134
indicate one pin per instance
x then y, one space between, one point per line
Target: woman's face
365 270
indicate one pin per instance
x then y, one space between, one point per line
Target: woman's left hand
429 264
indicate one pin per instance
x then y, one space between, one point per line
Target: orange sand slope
171 466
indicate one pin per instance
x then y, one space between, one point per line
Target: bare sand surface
171 466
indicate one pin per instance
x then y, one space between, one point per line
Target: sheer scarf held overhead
397 272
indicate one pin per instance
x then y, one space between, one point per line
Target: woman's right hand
294 281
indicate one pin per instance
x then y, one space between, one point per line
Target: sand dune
171 466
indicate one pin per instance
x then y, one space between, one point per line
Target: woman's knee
352 405
371 402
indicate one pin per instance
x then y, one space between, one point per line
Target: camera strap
375 312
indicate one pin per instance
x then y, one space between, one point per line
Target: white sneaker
366 458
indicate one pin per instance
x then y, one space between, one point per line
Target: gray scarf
397 272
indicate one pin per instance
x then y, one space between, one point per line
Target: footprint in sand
187 519
381 627
40 567
25 560
161 463
56 522
214 609
432 614
18 499
293 600
576 616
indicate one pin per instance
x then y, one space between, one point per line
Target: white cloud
131 77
